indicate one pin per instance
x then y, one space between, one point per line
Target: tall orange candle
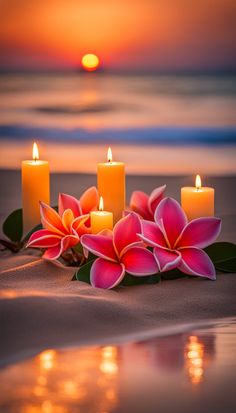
198 201
35 188
111 185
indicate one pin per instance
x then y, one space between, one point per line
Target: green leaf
223 255
83 274
227 266
13 226
221 251
129 279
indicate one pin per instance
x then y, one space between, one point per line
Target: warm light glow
101 204
194 359
47 359
35 152
90 62
109 155
198 182
109 364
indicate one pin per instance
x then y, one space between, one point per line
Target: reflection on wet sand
90 380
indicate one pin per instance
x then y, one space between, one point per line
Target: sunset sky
125 34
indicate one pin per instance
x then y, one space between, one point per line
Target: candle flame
101 204
109 155
35 153
198 182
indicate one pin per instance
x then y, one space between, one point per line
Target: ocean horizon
174 112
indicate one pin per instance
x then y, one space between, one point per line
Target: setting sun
90 62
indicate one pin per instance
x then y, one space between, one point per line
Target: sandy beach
39 301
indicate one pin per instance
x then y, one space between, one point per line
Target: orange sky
126 34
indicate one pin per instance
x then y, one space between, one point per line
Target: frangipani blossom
62 230
145 205
119 251
177 243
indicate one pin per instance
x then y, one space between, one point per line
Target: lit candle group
111 185
197 201
35 188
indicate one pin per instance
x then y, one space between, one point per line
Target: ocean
157 124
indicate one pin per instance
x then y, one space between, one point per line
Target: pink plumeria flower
119 251
88 202
62 230
145 205
177 243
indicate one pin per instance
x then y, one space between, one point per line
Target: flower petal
52 253
69 202
100 245
173 218
106 274
139 261
78 225
139 204
167 259
152 234
67 219
155 198
196 262
89 200
43 239
51 220
125 232
67 242
200 232
106 232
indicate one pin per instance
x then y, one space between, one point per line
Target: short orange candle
101 219
198 201
35 188
111 185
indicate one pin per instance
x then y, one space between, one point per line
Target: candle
101 219
197 201
35 188
111 185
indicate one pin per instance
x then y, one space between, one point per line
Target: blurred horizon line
127 72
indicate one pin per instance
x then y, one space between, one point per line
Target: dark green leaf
91 257
129 279
223 255
83 274
221 252
13 226
227 266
